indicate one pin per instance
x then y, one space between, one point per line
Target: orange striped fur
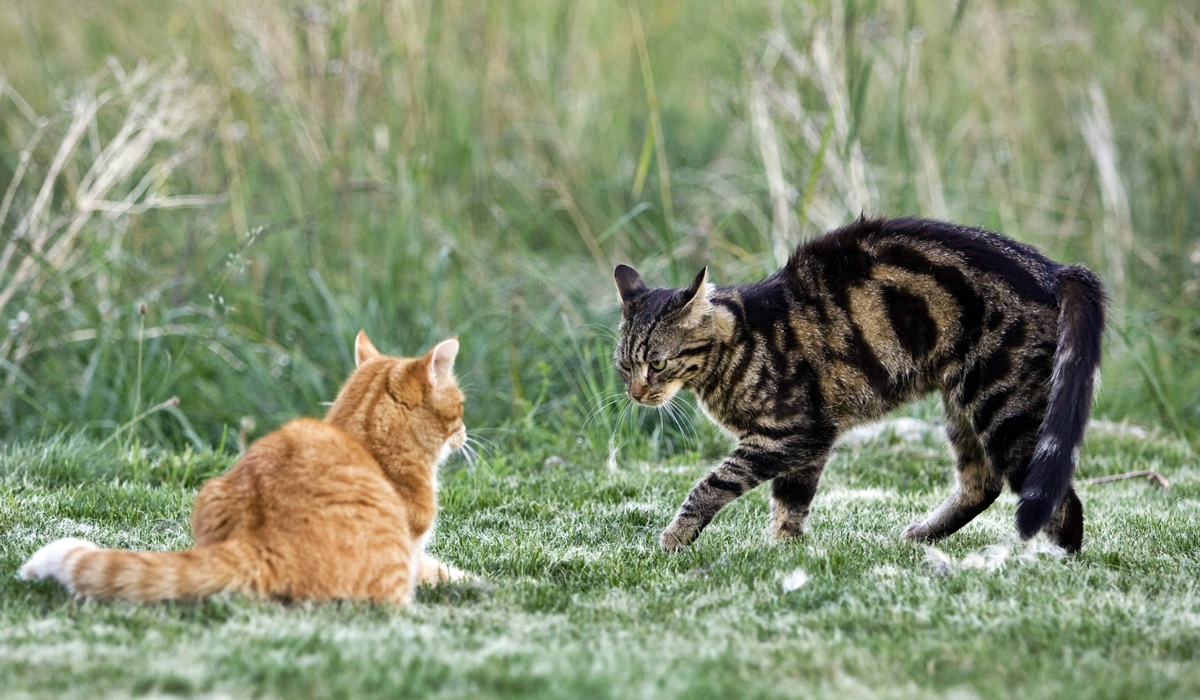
317 510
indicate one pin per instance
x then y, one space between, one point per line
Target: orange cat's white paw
448 574
434 571
455 575
51 560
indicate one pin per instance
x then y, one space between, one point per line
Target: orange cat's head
401 407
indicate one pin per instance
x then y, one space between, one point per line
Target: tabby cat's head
664 335
403 405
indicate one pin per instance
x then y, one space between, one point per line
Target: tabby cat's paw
676 537
786 530
917 532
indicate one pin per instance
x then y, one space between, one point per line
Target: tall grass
267 178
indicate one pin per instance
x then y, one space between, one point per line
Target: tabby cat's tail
1081 304
144 576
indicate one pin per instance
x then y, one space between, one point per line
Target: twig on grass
1151 476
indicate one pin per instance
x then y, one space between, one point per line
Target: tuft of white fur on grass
937 561
613 448
1038 549
50 561
992 558
794 580
989 558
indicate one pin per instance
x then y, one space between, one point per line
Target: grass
264 181
580 602
200 202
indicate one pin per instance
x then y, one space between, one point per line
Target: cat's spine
1081 303
90 572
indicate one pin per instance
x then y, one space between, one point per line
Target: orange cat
317 510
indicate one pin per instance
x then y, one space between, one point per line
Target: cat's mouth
655 397
452 444
648 400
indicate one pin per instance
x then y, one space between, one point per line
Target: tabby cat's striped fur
858 321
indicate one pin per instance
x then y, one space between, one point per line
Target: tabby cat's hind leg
978 484
791 495
1066 528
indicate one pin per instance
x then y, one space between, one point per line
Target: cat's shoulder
306 435
309 426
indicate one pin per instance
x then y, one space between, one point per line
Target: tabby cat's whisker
626 409
604 402
675 412
607 331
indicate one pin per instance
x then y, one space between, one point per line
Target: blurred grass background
204 200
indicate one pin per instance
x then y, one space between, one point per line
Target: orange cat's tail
145 577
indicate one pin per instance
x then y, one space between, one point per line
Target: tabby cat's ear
441 361
629 283
698 283
699 288
364 349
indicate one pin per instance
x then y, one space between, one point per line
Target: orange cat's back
285 478
322 511
316 510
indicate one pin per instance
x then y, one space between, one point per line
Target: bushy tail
145 576
1076 359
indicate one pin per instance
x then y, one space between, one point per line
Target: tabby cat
858 321
317 510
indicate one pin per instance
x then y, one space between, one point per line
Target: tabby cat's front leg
756 459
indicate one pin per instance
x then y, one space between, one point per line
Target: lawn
202 201
576 600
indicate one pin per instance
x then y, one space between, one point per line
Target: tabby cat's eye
625 365
658 365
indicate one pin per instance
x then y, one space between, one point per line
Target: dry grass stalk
157 113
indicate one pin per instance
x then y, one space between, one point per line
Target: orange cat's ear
364 349
441 360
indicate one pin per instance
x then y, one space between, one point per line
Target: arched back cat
857 322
